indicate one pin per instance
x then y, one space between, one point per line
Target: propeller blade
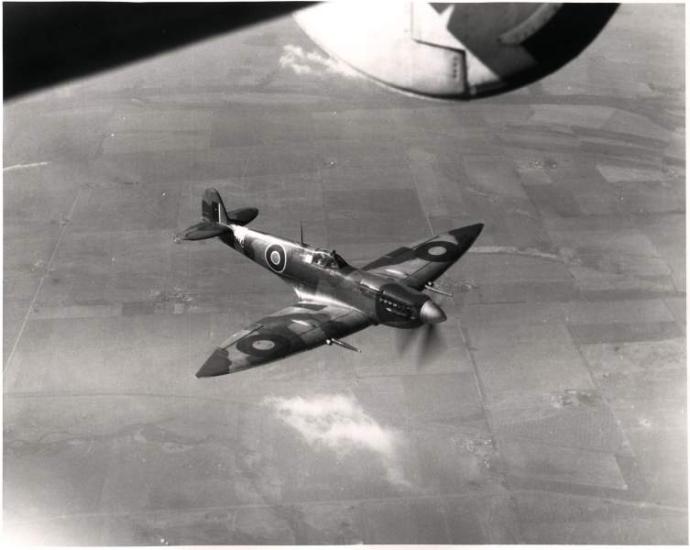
404 339
429 342
432 343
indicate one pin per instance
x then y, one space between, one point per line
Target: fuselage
318 275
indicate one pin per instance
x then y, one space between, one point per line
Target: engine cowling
454 50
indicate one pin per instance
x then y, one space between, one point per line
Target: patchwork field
556 412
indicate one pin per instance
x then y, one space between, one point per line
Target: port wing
291 330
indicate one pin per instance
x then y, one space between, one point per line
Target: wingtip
474 229
216 365
466 235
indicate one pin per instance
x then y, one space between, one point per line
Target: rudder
213 210
212 207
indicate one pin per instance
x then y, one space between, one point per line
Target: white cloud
339 423
303 62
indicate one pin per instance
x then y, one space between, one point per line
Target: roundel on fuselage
276 257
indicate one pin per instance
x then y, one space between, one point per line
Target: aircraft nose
431 313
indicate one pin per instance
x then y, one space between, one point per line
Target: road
554 414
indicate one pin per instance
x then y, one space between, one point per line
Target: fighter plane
334 298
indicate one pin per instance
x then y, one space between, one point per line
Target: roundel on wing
276 257
264 345
437 251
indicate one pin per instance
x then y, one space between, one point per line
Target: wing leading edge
291 330
425 261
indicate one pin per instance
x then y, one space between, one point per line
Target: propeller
404 338
432 342
429 342
429 335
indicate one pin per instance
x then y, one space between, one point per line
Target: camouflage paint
334 298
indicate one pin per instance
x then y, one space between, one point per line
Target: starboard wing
291 330
425 261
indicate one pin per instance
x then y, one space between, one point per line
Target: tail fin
216 219
213 210
212 207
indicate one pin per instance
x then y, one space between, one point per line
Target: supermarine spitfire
334 299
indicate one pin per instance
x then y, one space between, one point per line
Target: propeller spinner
431 314
430 341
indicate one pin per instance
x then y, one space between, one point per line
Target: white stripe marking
24 166
532 252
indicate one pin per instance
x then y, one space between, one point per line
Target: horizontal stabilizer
242 216
202 230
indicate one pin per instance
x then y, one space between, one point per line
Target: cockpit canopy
328 258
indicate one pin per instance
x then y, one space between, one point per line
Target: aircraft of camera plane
334 299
